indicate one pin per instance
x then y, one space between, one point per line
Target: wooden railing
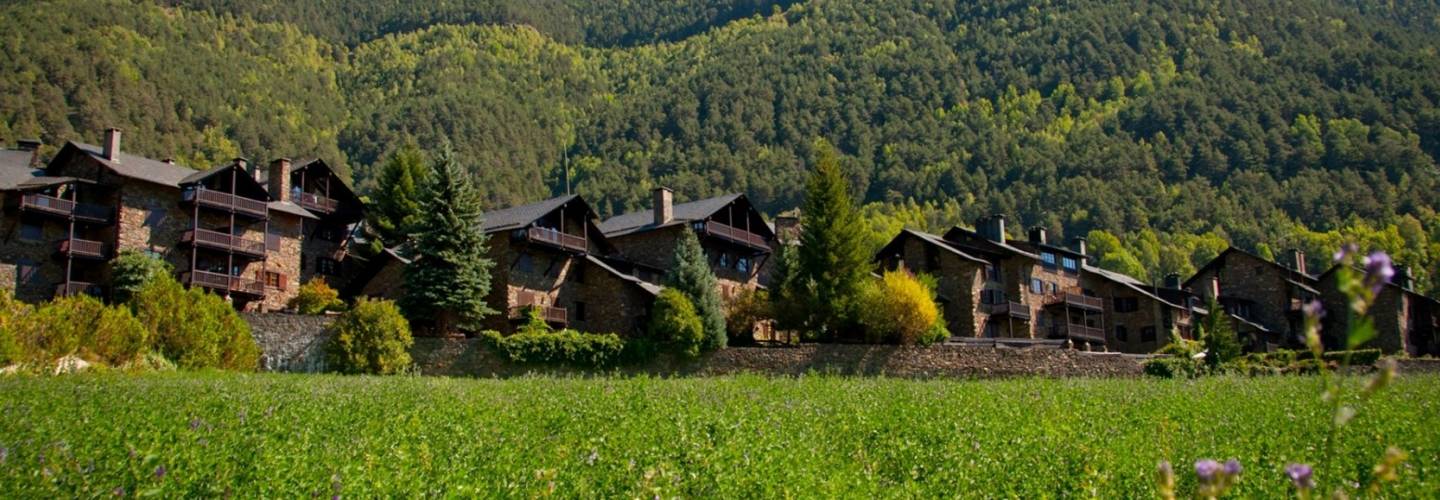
550 314
52 205
1076 298
1014 309
1082 332
222 241
220 281
556 238
227 201
735 234
77 247
77 287
317 203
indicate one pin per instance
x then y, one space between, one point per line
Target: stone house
326 243
736 239
1405 321
218 228
1265 298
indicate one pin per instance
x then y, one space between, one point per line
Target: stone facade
1260 291
1405 321
291 342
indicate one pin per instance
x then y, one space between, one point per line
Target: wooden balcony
78 248
1011 309
1073 298
551 314
224 242
77 288
228 202
1079 332
555 238
222 282
317 203
733 234
51 205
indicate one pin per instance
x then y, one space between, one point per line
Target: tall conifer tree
449 275
396 205
690 274
832 262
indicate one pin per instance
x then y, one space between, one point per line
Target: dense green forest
1163 130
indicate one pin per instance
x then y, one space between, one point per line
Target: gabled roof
347 192
15 168
652 289
1306 280
136 167
523 215
934 240
1127 281
683 213
292 209
985 244
1325 275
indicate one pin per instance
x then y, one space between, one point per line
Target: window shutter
283 281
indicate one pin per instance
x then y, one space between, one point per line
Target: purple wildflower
195 423
160 472
1346 251
1378 270
119 491
1314 309
1302 475
1232 467
1206 469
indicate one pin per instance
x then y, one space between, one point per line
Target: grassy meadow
291 436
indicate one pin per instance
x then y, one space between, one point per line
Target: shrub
193 328
83 326
132 270
372 337
1221 344
12 314
674 321
566 347
316 297
900 309
744 310
1172 368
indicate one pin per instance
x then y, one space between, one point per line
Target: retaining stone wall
290 342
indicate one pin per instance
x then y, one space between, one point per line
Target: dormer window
1047 259
1070 264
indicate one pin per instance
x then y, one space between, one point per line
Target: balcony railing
1074 298
218 281
76 247
1012 309
317 203
550 314
227 201
556 238
1082 332
76 288
56 206
222 241
733 234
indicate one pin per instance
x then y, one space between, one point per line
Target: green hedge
1173 368
564 347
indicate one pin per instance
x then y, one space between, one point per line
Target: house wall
41 252
1149 313
1245 277
657 249
285 260
612 305
959 281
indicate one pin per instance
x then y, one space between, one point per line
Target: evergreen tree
1221 344
449 276
396 200
690 274
832 260
784 288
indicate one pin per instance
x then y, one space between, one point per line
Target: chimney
1037 235
279 182
1080 246
1215 287
33 146
1172 281
112 144
1297 261
663 205
997 228
1402 278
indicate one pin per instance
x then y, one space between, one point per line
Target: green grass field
289 436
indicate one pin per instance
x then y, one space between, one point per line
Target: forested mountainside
1173 125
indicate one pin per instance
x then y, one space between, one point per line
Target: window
1147 334
524 263
30 231
275 280
992 296
327 266
1054 288
27 272
1037 286
992 273
724 260
1070 264
1047 259
932 258
154 218
1121 334
742 264
991 331
1126 304
579 311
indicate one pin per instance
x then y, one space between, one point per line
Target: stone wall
469 357
290 342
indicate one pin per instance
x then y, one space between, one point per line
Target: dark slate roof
647 287
938 242
291 208
644 220
991 245
139 167
1138 286
523 215
1307 278
15 168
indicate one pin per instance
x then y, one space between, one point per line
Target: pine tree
784 288
832 260
1221 344
449 276
690 274
396 204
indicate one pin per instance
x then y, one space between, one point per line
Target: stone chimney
663 205
33 146
1297 261
1214 290
1172 281
279 181
112 144
245 166
1037 235
1080 246
1403 279
995 228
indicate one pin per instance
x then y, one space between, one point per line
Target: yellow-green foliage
744 310
12 313
81 325
193 328
372 337
899 308
674 321
315 297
